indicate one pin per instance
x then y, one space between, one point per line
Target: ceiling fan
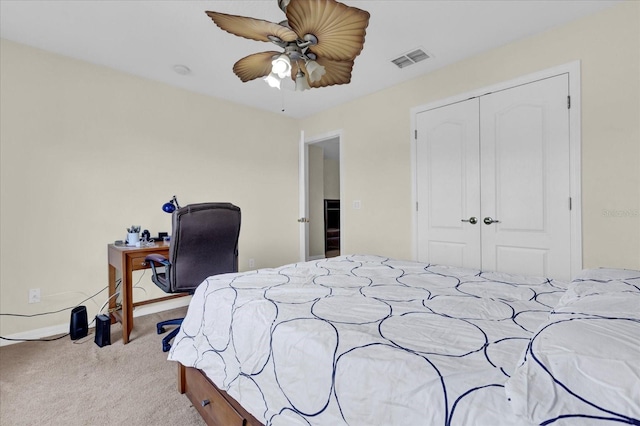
320 41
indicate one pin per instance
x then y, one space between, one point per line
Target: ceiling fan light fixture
315 70
273 80
281 66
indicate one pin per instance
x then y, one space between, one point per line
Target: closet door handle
488 221
472 220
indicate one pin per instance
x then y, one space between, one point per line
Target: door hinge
569 102
415 134
416 206
570 204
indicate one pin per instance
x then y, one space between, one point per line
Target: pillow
584 362
608 274
600 281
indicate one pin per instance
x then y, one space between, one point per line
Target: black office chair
204 242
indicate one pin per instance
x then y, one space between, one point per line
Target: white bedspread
365 340
582 366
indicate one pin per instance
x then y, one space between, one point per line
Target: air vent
410 58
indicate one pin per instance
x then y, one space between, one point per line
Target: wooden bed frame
215 406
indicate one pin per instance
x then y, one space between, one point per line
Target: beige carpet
67 383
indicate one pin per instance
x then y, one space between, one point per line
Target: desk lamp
171 205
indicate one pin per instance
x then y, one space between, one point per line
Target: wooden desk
126 260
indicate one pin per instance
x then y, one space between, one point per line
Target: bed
367 340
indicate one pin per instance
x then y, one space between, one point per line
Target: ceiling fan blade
251 28
340 29
336 72
254 66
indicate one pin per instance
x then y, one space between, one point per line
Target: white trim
53 330
575 161
302 199
575 144
569 68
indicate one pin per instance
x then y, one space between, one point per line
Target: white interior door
448 185
524 133
502 159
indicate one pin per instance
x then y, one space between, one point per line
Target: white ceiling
148 38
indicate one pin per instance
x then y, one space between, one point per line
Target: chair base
166 345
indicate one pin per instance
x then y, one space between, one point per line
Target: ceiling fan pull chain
283 108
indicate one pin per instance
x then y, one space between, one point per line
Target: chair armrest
161 279
157 258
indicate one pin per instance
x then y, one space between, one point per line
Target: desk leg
112 292
127 305
126 311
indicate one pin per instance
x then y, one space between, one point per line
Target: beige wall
88 151
376 137
331 179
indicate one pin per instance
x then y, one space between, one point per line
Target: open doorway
323 198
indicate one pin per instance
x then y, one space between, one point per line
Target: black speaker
78 328
103 330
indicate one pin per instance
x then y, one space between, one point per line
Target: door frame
303 185
572 69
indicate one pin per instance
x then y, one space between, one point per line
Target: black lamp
171 205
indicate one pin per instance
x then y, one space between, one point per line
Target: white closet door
524 133
448 185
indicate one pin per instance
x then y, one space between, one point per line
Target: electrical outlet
252 263
34 295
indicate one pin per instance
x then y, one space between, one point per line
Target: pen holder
133 238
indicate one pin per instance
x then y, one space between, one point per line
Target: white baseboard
64 328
